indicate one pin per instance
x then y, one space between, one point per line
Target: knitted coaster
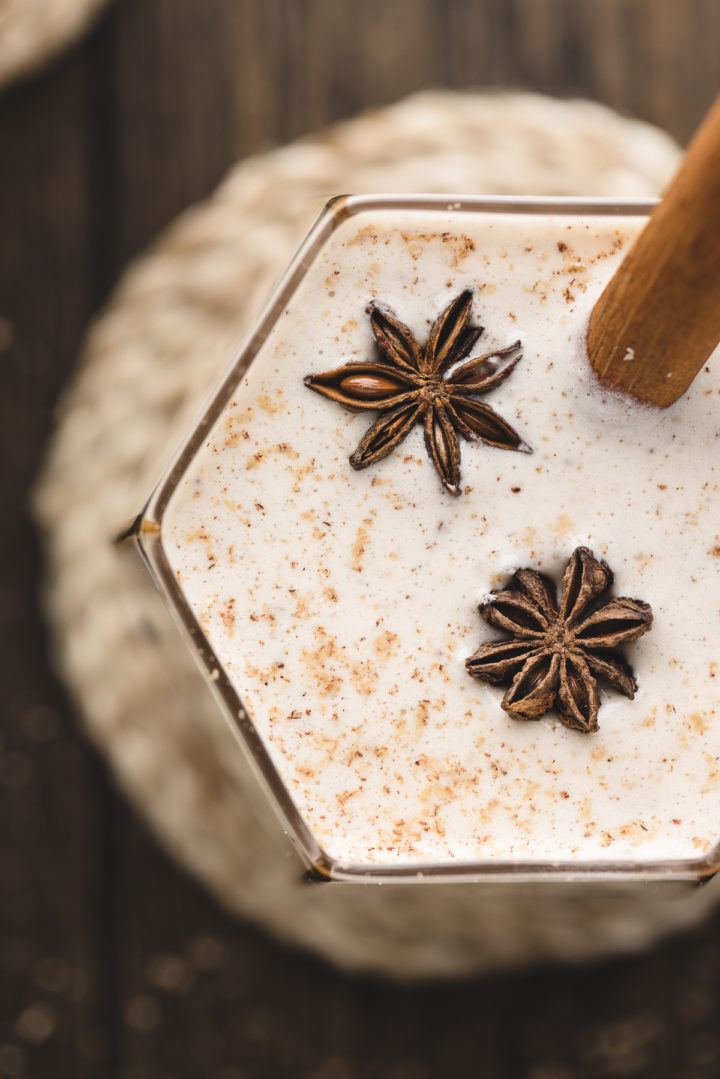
147 367
33 31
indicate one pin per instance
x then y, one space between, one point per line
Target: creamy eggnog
339 600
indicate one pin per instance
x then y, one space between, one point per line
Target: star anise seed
556 653
429 385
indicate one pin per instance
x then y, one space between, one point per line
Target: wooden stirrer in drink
658 319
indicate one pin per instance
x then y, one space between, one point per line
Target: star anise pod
410 385
557 652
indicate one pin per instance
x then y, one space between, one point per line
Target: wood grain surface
112 963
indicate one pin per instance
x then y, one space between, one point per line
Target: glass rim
147 534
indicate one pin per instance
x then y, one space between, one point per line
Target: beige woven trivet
33 31
147 367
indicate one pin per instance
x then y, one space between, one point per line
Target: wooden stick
658 319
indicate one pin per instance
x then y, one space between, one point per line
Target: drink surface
343 604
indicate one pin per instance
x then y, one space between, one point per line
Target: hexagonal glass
433 220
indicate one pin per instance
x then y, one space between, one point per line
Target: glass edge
523 204
148 542
146 532
692 872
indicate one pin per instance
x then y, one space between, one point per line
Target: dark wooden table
112 962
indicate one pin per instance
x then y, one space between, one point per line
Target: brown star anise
556 654
412 385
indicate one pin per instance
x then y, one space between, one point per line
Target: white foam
344 604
